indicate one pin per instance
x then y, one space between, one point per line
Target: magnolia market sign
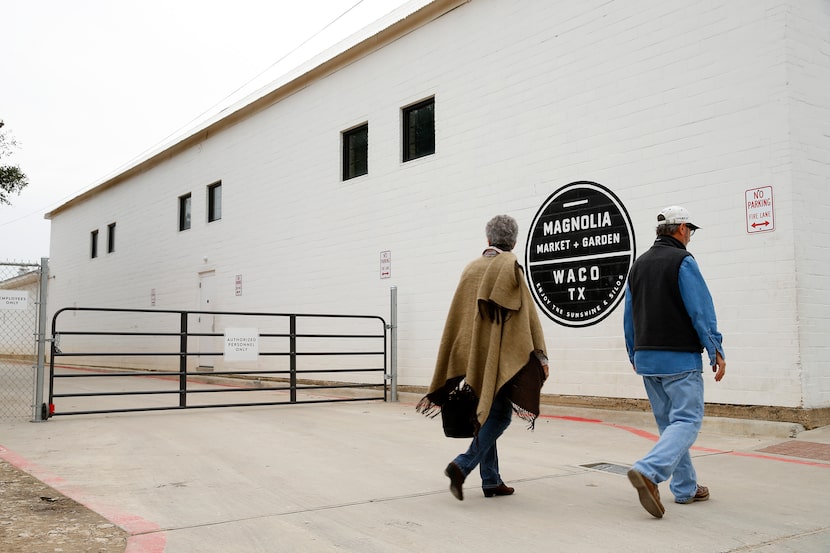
579 250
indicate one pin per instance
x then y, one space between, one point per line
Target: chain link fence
19 311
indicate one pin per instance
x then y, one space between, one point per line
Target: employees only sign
14 299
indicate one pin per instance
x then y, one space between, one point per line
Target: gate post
292 341
393 344
41 412
183 360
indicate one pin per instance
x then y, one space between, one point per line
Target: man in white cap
669 320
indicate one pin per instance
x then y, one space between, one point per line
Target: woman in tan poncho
493 339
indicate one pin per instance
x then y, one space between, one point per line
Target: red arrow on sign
764 224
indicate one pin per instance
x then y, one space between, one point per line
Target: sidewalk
368 478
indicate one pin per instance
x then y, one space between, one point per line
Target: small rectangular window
356 152
419 130
184 212
93 244
214 202
110 237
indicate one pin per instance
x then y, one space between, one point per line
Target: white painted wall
664 103
809 114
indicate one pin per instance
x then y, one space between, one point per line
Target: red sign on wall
385 264
760 215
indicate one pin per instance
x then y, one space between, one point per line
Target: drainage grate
608 467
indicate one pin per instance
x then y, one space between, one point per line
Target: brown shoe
701 494
501 489
457 478
648 492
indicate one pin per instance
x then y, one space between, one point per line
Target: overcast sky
87 86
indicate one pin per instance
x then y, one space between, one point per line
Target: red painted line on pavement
783 460
144 536
654 437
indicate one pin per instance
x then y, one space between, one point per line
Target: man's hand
547 370
719 368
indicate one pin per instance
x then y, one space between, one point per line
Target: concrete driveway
367 477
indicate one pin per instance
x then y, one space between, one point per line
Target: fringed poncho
490 339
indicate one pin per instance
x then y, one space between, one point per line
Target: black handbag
458 413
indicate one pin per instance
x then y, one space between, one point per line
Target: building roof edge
384 31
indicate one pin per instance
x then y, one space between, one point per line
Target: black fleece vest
661 321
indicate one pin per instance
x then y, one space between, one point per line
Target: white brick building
691 103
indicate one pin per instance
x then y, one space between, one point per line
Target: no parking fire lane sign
760 216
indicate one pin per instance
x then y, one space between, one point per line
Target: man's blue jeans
482 450
677 404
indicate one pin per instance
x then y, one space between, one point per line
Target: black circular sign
579 250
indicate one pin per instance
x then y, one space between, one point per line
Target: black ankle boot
501 489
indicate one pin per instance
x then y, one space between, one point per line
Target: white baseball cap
675 215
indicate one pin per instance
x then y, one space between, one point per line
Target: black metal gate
121 360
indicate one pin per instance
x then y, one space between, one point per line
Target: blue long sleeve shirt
701 309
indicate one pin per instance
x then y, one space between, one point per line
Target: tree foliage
12 178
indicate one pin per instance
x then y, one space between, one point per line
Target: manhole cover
608 467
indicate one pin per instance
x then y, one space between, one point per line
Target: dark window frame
355 142
418 129
185 211
93 244
111 238
214 202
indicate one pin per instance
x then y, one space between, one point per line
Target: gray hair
502 231
667 230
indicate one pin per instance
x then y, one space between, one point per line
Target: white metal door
207 323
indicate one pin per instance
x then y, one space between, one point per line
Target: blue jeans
677 404
482 450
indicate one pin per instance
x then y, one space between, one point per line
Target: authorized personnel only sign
241 344
760 215
579 250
